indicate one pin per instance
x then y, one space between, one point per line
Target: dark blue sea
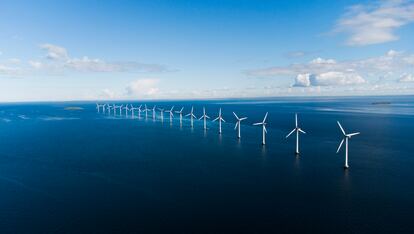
73 170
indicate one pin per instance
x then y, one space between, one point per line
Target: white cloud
393 63
14 60
55 52
406 78
375 23
35 64
108 94
62 61
143 88
9 71
328 79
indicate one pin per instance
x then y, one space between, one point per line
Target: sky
132 50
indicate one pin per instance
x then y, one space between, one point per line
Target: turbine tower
238 123
346 137
171 113
108 108
181 115
139 111
219 118
133 110
297 129
114 108
263 123
161 114
126 108
120 109
146 111
192 116
153 112
205 117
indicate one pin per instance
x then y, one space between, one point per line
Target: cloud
61 61
347 72
406 78
375 23
143 88
108 94
55 52
328 79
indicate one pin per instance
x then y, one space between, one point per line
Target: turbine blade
340 126
223 120
200 117
340 145
264 127
264 119
215 119
255 124
236 116
300 130
353 134
290 133
235 127
243 118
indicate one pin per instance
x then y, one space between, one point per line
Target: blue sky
96 50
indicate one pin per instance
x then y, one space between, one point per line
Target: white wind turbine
153 112
146 111
171 113
297 129
192 116
161 113
263 123
108 108
204 117
345 138
181 115
139 111
133 110
98 107
238 123
126 108
120 109
219 118
114 108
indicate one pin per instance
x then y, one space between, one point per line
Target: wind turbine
181 115
191 114
126 108
146 111
139 111
171 113
114 108
120 109
161 113
238 124
98 106
219 118
133 110
346 137
108 108
297 129
205 117
263 123
153 112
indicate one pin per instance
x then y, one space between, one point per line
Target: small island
381 103
72 108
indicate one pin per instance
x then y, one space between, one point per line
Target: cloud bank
375 23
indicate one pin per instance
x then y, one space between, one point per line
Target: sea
67 168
